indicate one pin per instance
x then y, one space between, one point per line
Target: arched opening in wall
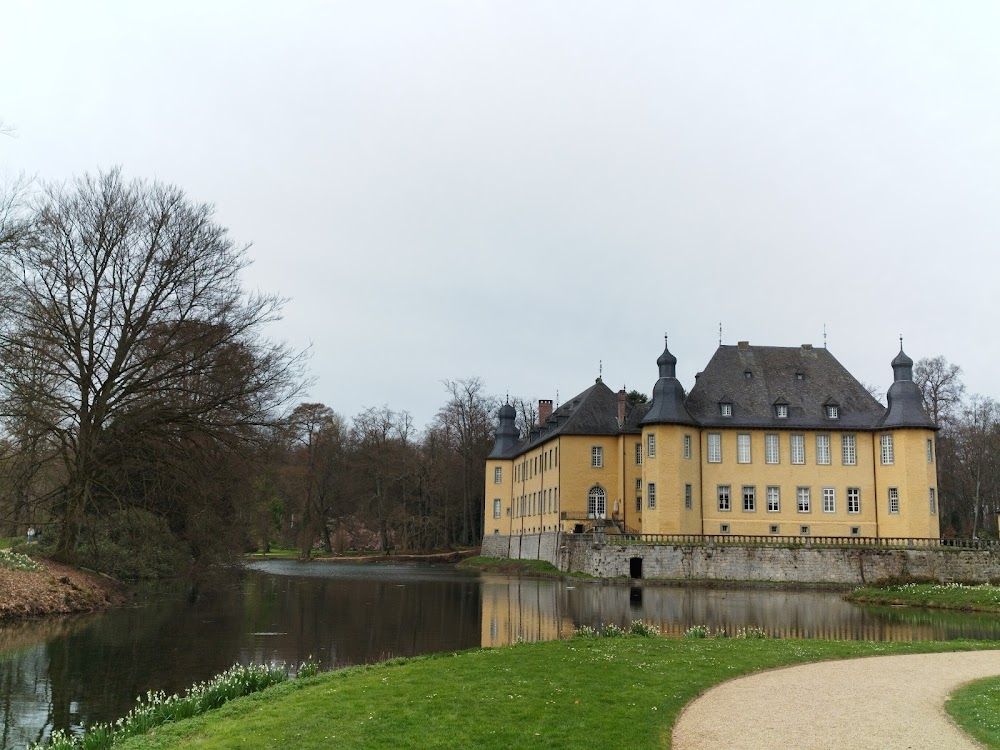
597 502
635 567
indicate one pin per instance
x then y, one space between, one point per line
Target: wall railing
752 540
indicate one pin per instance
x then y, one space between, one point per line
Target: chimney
621 407
743 344
807 346
544 410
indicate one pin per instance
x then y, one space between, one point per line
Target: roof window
726 409
832 411
781 411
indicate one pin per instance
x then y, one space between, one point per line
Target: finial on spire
666 340
900 342
720 333
557 398
508 397
824 335
600 368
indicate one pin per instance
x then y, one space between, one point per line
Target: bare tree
121 307
942 387
526 411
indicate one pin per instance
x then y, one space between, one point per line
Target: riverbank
966 597
588 693
455 556
56 589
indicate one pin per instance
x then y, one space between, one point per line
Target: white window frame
803 499
743 448
597 457
638 494
715 447
849 450
829 500
894 501
651 445
638 454
497 475
773 499
687 447
725 409
932 496
822 449
772 448
651 496
496 507
597 502
724 495
854 500
832 412
797 448
749 498
781 411
888 458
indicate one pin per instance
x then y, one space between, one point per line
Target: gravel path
883 702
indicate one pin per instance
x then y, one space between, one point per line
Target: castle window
743 448
724 497
714 448
597 457
887 457
687 497
638 495
687 446
723 528
933 499
651 445
651 495
773 499
829 500
596 502
804 500
853 499
855 531
848 450
496 508
781 411
749 498
930 451
832 412
772 451
774 529
894 499
803 531
638 454
798 449
498 475
726 409
823 449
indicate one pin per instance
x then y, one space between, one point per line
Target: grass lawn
508 566
976 708
984 597
581 693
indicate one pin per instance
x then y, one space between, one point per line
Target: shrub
642 629
585 631
613 631
696 631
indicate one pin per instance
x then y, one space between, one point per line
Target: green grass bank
976 708
972 597
582 693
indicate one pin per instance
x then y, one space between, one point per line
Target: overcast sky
519 190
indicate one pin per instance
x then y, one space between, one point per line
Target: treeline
149 427
968 450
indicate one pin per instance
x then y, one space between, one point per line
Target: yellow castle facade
770 441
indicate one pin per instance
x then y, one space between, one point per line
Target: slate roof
592 412
806 379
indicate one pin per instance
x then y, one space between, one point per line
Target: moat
67 672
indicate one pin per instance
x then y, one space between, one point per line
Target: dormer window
832 412
800 375
726 409
781 411
747 375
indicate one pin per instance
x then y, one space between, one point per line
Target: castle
770 441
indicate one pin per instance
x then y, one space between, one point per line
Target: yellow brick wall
913 476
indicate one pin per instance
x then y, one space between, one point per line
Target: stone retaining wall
748 563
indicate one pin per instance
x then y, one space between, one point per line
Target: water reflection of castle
532 610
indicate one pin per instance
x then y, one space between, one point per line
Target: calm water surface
75 671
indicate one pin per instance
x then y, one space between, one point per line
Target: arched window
596 502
